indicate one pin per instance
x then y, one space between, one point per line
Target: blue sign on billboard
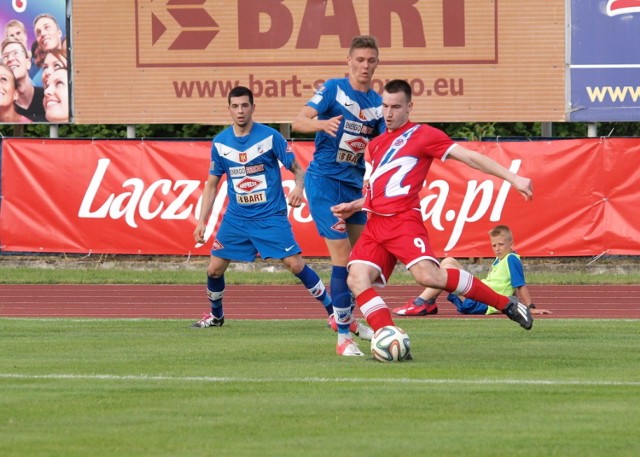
605 60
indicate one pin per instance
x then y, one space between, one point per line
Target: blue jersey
342 157
252 166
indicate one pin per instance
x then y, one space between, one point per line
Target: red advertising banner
143 197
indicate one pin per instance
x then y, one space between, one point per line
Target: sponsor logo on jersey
353 126
340 226
347 157
248 184
357 144
250 199
367 130
237 171
253 169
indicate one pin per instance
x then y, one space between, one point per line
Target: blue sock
341 298
316 288
215 291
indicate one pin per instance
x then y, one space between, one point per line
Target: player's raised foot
349 349
519 313
411 309
209 320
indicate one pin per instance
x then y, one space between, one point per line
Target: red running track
276 302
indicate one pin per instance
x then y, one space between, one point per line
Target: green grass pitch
96 387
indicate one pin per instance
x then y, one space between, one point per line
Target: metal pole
285 130
131 131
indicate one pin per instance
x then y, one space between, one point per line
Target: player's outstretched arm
307 122
487 165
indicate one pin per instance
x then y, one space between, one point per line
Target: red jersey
401 160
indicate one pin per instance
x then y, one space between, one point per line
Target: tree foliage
467 130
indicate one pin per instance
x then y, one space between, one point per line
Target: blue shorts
322 194
467 306
241 239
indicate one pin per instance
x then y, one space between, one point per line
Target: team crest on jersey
242 157
340 226
217 245
399 142
248 184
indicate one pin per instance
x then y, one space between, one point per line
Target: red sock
462 282
374 309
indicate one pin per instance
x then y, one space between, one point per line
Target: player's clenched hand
198 233
295 197
524 186
343 210
347 209
332 125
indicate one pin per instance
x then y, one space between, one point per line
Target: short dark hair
363 42
240 91
398 85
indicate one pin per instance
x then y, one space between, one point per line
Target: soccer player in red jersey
394 231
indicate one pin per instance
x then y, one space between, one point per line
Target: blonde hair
14 23
501 230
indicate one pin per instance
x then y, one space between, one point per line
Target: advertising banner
34 51
605 60
174 61
143 197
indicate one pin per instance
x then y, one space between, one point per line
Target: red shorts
387 239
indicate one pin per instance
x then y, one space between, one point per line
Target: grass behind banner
159 276
95 387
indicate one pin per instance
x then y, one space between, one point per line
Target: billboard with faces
35 62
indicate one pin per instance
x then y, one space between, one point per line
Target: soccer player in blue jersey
344 114
248 153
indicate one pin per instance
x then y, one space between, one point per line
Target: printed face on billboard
34 46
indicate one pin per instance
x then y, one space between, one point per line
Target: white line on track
215 379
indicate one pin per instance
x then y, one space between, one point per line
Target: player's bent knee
295 263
